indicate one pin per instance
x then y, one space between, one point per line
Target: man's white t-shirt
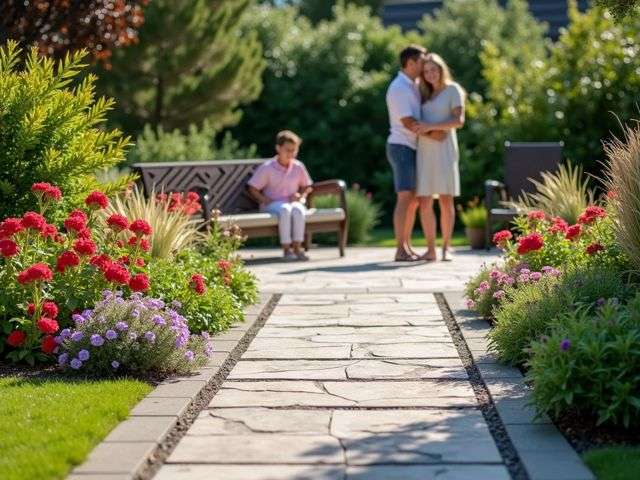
403 100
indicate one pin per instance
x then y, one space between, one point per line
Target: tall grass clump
564 193
173 231
622 178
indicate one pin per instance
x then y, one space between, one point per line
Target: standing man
404 105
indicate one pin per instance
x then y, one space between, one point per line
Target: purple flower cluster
124 334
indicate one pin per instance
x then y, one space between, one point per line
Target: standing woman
437 156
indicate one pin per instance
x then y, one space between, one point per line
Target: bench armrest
492 187
329 187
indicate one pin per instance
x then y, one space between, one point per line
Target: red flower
76 221
35 273
50 309
46 190
140 262
8 248
530 243
139 282
502 236
49 231
48 344
591 213
31 309
97 200
10 227
100 261
140 228
559 225
124 260
84 246
227 279
118 222
33 220
193 197
144 245
16 338
66 260
47 325
224 265
573 232
612 194
197 284
536 215
84 233
594 248
119 243
116 273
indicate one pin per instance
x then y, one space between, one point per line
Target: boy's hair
412 52
287 136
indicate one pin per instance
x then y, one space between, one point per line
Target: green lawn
383 237
614 463
48 426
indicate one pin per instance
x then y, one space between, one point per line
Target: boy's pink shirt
279 183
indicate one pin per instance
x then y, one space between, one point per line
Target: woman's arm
301 194
456 121
259 196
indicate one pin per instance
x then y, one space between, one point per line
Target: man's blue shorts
403 163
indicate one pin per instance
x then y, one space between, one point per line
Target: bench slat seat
263 219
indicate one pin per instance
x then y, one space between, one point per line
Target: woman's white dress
437 162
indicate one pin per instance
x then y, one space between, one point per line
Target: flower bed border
542 449
137 447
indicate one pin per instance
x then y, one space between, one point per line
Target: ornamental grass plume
173 231
622 179
564 193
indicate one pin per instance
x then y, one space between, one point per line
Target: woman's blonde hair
426 89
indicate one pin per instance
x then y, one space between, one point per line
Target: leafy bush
135 335
363 212
590 363
623 181
52 131
197 144
207 303
563 194
527 312
173 230
474 216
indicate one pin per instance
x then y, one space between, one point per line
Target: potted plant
474 218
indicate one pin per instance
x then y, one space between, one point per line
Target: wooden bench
222 185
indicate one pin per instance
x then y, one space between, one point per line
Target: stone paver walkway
354 376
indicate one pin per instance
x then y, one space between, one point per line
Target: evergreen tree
191 64
317 10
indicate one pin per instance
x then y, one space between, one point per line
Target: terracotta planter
475 236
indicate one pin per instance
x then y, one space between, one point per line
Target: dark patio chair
522 162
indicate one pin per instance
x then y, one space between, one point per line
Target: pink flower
591 213
498 294
501 237
471 304
46 190
573 232
535 276
536 215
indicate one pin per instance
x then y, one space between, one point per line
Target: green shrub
529 310
474 216
590 363
197 144
213 311
363 213
52 132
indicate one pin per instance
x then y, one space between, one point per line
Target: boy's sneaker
290 256
302 256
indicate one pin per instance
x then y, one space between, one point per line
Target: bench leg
342 239
487 234
307 242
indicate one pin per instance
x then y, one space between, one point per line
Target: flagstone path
355 375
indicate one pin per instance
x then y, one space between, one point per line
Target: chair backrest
523 161
221 184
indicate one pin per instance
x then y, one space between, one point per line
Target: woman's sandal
446 256
404 256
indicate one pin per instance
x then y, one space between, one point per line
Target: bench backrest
523 161
221 184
